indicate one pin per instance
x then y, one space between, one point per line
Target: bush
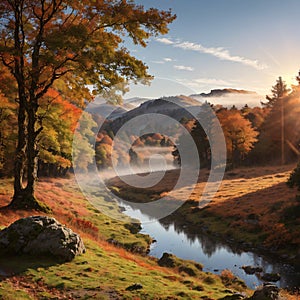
294 179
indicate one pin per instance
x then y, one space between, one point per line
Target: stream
214 255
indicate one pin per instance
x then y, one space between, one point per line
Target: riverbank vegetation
253 208
107 270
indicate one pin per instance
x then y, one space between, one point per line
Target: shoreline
246 232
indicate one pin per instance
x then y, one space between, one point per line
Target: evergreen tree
279 139
279 91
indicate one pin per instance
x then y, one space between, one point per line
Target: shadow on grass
15 265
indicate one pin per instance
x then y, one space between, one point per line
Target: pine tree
279 91
276 102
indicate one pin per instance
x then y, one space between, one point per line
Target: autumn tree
239 134
7 133
8 121
104 151
55 141
256 115
67 45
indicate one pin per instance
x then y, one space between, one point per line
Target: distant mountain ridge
224 92
176 107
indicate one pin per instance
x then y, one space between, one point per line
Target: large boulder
40 235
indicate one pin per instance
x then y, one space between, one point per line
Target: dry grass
105 270
250 205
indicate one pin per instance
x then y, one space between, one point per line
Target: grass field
104 271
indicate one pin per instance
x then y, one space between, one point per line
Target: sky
242 44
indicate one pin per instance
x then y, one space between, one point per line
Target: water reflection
174 237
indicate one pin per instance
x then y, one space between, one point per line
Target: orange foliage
69 112
239 134
278 235
107 140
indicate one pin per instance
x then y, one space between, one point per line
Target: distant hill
173 106
223 92
134 102
229 97
107 111
176 107
180 100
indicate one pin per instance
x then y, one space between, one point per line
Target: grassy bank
105 271
253 208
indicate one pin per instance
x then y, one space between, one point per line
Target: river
214 255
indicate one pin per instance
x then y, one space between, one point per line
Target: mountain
224 92
105 110
175 107
135 101
229 97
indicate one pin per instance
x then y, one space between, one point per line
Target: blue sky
244 44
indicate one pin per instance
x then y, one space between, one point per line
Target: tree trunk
21 145
26 152
24 197
31 150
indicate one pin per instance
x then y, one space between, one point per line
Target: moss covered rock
41 235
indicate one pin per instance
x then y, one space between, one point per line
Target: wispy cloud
165 41
163 61
218 52
160 62
213 81
183 68
200 83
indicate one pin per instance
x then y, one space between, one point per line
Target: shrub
227 277
294 179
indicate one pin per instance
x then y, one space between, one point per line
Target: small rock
187 270
252 270
198 288
134 287
233 297
167 260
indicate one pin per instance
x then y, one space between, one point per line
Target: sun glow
290 80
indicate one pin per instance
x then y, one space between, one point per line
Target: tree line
259 135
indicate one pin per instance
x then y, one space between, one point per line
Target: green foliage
83 151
